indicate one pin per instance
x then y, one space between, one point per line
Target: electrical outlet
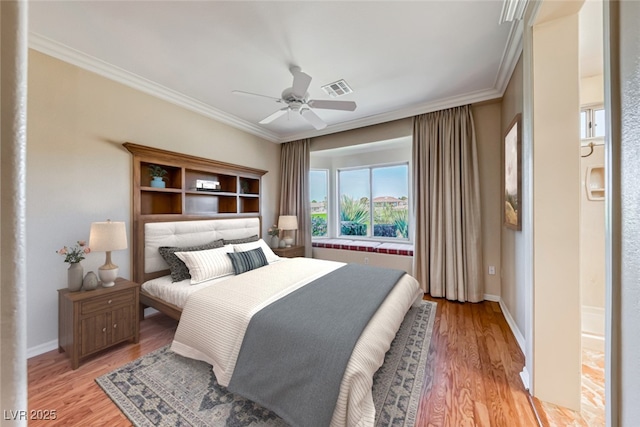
366 260
492 270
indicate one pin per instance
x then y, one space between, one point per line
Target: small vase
90 281
74 276
275 242
157 182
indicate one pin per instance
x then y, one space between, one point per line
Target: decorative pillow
249 260
179 270
207 265
253 238
271 257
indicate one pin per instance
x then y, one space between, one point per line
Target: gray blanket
295 351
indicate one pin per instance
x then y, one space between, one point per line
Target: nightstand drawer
107 301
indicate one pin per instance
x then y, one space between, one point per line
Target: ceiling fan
297 100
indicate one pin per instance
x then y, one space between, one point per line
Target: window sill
404 249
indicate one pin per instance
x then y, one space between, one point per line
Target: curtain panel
294 188
447 256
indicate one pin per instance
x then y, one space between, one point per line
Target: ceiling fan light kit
297 100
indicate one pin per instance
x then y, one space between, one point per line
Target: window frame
328 206
589 130
370 237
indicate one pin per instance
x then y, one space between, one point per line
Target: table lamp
106 237
288 223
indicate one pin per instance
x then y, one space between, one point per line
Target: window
592 123
374 202
318 190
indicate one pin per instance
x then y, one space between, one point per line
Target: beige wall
487 124
78 172
486 117
512 286
556 207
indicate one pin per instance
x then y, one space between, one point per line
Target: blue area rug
165 389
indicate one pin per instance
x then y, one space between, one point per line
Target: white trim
593 342
593 320
42 348
514 328
493 298
524 376
512 10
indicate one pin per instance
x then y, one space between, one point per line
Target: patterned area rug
165 389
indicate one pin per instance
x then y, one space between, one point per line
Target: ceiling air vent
337 89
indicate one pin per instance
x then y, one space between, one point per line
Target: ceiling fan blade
274 116
301 82
313 118
240 92
332 105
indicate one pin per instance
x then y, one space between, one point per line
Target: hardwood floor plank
472 377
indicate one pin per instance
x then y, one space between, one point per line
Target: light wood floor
473 380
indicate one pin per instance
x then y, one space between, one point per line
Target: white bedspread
215 319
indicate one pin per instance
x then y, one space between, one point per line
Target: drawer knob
109 301
115 325
104 329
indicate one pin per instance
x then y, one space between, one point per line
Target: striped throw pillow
207 265
248 260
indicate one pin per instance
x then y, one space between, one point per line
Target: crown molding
510 56
512 10
414 110
104 69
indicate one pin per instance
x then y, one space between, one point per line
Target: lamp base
288 241
108 276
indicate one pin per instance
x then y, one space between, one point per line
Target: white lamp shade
108 236
288 222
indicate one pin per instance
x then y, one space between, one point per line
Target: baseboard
489 297
513 326
592 320
524 376
42 348
593 342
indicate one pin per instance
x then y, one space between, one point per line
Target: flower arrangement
273 230
75 253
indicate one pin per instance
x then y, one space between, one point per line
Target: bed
217 316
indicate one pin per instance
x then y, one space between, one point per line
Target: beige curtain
447 258
294 188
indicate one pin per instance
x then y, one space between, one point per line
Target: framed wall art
512 203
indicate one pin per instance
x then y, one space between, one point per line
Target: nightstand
90 321
290 252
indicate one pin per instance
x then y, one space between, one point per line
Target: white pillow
271 257
208 264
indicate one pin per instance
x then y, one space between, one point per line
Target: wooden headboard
150 235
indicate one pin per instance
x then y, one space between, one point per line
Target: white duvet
214 321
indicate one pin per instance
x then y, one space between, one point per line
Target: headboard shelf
193 188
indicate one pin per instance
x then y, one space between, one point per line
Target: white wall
556 205
592 231
78 172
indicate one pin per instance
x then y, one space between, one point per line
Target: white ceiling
400 58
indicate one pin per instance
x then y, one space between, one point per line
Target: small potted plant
157 176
